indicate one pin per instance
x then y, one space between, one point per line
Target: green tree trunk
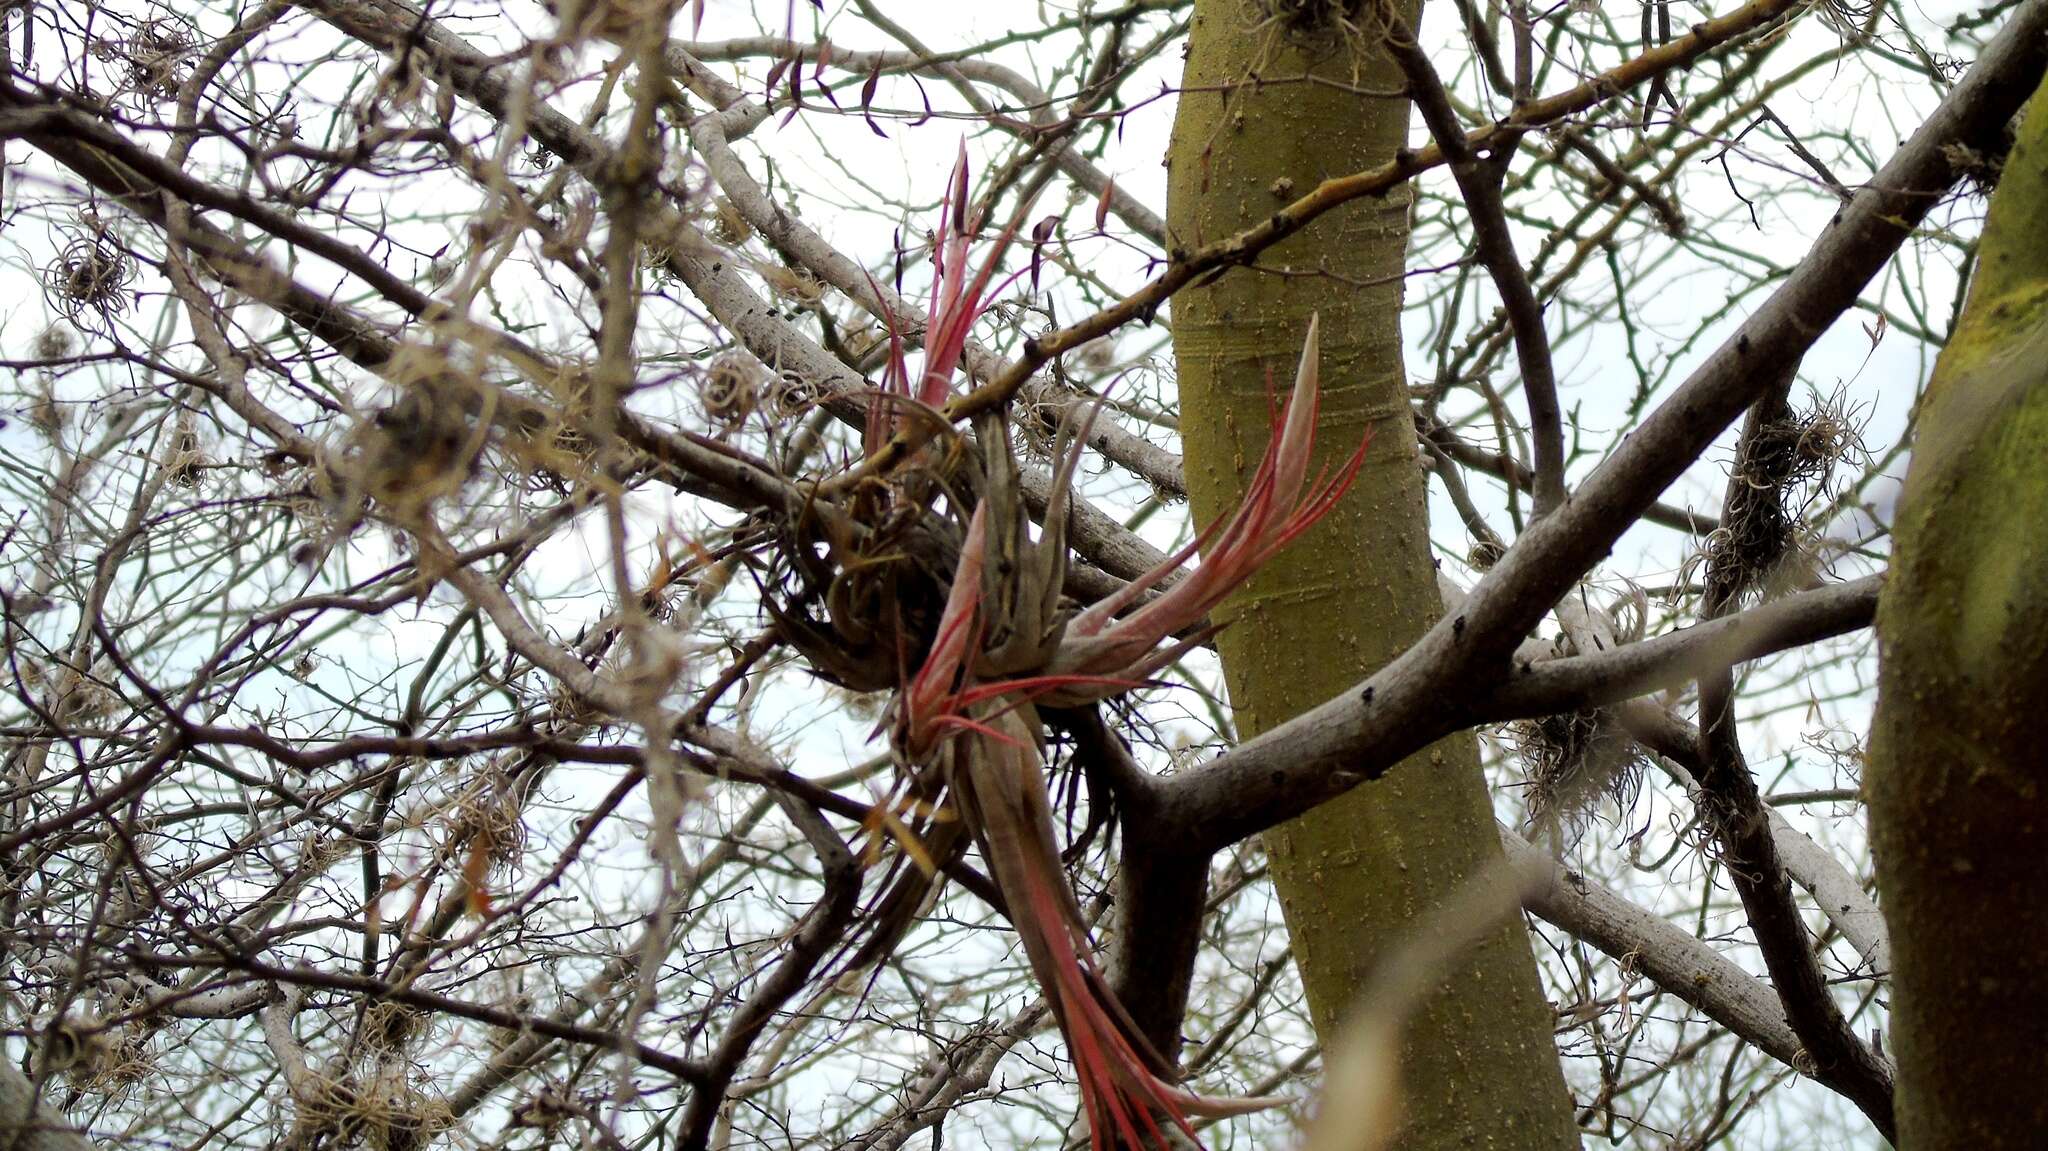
1958 777
1480 1066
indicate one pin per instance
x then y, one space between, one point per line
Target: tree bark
1480 1066
26 1123
1958 780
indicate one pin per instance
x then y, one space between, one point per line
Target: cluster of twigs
473 500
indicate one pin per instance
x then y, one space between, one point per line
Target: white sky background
820 155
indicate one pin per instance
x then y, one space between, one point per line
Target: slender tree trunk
1480 1066
1958 778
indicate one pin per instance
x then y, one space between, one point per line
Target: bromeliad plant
870 564
959 295
968 678
970 716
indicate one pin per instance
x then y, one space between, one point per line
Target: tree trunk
1958 780
1480 1066
30 1124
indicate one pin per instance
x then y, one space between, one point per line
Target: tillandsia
868 559
969 717
959 295
975 650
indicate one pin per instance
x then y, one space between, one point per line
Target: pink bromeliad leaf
1273 514
930 696
960 294
988 736
941 698
881 419
1002 785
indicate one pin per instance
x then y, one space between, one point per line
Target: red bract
931 697
1001 783
987 736
958 298
942 697
995 771
1102 652
1273 514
